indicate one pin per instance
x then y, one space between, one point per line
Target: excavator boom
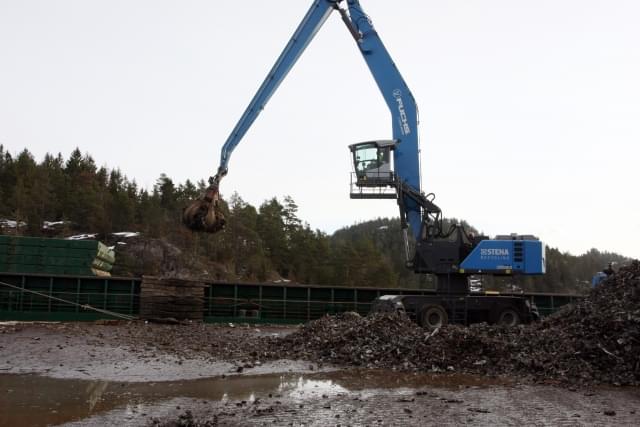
205 214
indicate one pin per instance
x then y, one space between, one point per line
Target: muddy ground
136 373
137 351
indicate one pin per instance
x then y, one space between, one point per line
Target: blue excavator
390 169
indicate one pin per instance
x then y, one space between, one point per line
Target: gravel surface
486 406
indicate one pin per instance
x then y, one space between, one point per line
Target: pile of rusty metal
392 340
379 340
595 341
171 298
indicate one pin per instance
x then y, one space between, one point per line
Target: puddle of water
39 401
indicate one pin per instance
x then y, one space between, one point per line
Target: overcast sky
530 110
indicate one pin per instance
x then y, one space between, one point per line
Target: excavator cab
372 162
373 175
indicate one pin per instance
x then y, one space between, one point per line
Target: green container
25 268
25 241
25 250
56 243
52 269
20 259
54 256
84 244
69 253
64 261
78 271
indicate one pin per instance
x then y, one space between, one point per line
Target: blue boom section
506 257
313 20
402 105
394 90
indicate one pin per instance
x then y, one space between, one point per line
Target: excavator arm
311 23
205 215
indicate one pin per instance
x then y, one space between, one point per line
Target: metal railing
372 185
67 298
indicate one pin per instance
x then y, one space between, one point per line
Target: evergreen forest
60 196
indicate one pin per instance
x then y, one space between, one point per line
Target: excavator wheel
204 214
433 316
509 317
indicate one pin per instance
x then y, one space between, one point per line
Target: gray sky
530 110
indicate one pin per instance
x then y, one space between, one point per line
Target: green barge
223 302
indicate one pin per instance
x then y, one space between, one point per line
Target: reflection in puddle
95 391
301 388
38 401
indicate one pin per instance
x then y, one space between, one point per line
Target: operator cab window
366 158
372 163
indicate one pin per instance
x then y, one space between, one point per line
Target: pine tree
271 228
8 181
27 204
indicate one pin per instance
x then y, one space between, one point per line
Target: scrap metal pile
595 341
598 339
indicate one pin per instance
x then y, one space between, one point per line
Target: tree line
261 243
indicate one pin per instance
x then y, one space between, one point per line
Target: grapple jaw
205 214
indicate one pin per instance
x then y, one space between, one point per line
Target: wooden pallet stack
162 298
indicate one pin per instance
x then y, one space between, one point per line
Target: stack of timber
162 298
55 256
